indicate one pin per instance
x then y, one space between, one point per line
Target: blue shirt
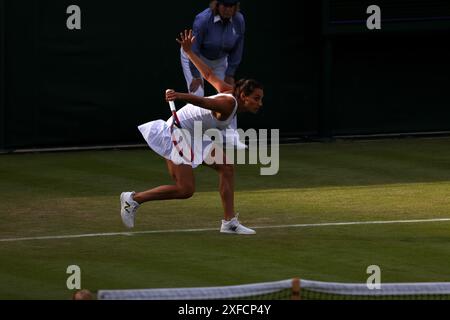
216 39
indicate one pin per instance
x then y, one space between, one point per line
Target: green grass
77 193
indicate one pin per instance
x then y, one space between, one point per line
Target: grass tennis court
57 194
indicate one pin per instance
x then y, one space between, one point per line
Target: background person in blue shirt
219 33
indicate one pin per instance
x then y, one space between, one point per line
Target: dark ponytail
246 86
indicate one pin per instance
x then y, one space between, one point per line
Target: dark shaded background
325 74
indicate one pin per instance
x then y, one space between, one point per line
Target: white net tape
213 293
268 288
386 289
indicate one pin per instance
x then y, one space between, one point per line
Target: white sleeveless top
191 113
158 135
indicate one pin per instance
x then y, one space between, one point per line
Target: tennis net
279 290
291 289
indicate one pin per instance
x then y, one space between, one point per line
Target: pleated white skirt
159 138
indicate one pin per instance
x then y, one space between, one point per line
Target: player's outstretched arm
222 104
186 40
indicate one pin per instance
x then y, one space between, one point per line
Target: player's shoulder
225 95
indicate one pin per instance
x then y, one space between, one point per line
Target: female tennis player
213 112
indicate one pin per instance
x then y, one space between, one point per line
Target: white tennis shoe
234 226
128 209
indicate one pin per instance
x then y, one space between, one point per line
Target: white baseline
312 225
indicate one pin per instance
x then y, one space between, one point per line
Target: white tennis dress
158 136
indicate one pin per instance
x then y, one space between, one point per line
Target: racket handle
171 104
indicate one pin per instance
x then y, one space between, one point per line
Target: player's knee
186 192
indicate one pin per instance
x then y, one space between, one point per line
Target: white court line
312 225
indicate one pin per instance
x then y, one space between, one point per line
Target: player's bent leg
183 189
184 179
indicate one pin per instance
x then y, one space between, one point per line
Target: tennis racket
179 139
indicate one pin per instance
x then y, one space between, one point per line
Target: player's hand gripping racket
179 140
